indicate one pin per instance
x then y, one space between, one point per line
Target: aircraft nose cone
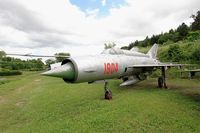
65 71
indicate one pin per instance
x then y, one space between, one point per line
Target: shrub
193 36
196 55
9 72
175 54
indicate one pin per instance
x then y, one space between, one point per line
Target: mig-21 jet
129 65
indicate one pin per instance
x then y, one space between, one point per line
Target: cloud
103 2
22 27
17 16
93 12
53 25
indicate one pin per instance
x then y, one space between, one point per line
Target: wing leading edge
157 65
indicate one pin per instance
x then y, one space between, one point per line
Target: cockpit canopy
118 51
113 51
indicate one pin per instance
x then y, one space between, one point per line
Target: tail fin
153 51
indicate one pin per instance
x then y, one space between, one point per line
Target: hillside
183 51
177 45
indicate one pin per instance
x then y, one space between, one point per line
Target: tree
145 42
2 54
183 30
171 31
196 24
39 63
49 62
109 45
131 45
163 38
136 43
154 39
18 64
61 56
124 47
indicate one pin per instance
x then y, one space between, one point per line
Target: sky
81 27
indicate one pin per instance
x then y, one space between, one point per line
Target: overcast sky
81 27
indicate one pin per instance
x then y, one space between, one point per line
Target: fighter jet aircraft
130 66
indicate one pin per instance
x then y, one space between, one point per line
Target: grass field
33 103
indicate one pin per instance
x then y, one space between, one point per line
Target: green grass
33 103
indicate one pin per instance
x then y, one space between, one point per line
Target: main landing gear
108 93
162 79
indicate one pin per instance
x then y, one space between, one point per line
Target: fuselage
112 63
106 66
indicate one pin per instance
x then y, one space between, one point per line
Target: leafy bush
196 55
192 36
18 64
175 54
6 72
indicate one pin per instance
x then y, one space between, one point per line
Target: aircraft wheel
108 95
160 82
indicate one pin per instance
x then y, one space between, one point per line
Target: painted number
110 68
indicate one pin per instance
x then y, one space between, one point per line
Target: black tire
160 82
108 95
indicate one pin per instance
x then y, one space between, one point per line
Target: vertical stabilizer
153 51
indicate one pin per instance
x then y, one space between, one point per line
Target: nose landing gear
108 93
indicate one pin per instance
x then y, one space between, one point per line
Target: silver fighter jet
130 66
